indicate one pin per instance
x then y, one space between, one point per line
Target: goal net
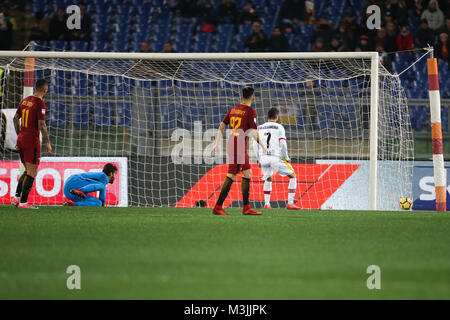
350 142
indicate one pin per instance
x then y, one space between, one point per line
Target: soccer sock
267 191
19 184
26 188
245 187
291 190
226 186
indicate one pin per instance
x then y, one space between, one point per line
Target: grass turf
168 253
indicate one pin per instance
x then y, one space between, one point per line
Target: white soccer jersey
271 133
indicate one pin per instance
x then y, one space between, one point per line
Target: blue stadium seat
165 88
202 42
57 114
58 45
79 46
325 116
99 46
122 86
59 82
169 116
217 113
103 113
81 114
193 113
100 85
79 84
124 112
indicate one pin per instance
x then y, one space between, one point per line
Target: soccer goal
346 120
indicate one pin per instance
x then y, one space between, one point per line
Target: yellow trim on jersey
287 164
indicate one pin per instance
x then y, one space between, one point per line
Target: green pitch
167 253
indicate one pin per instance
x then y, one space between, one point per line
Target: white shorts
270 163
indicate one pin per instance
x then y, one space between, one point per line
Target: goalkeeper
275 158
77 187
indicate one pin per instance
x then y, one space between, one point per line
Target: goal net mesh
163 115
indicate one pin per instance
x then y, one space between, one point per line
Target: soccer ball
405 203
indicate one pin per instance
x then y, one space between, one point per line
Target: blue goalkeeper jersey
88 182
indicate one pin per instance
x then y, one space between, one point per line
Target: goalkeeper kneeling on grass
77 187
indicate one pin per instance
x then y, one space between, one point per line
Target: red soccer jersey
240 117
31 110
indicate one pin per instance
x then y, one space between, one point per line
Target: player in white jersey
275 158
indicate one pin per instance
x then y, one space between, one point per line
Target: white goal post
344 80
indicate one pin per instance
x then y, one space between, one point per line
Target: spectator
385 59
257 40
404 40
352 30
248 15
228 12
186 10
320 45
145 47
337 45
84 34
58 28
445 28
381 37
399 11
292 12
168 47
310 15
323 30
442 47
7 28
278 42
37 26
417 8
424 36
364 43
390 44
341 35
433 15
207 17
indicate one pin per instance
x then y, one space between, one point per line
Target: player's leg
89 201
267 192
31 157
285 169
267 169
16 199
245 188
226 186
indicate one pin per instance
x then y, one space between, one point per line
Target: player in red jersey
242 120
28 121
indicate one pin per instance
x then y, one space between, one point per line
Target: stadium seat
99 46
165 88
216 114
121 86
57 114
192 113
100 85
59 82
325 116
169 117
81 114
103 113
79 84
58 45
124 113
79 46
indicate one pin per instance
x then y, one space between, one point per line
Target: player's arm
255 135
16 121
255 146
43 128
102 196
219 137
283 145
